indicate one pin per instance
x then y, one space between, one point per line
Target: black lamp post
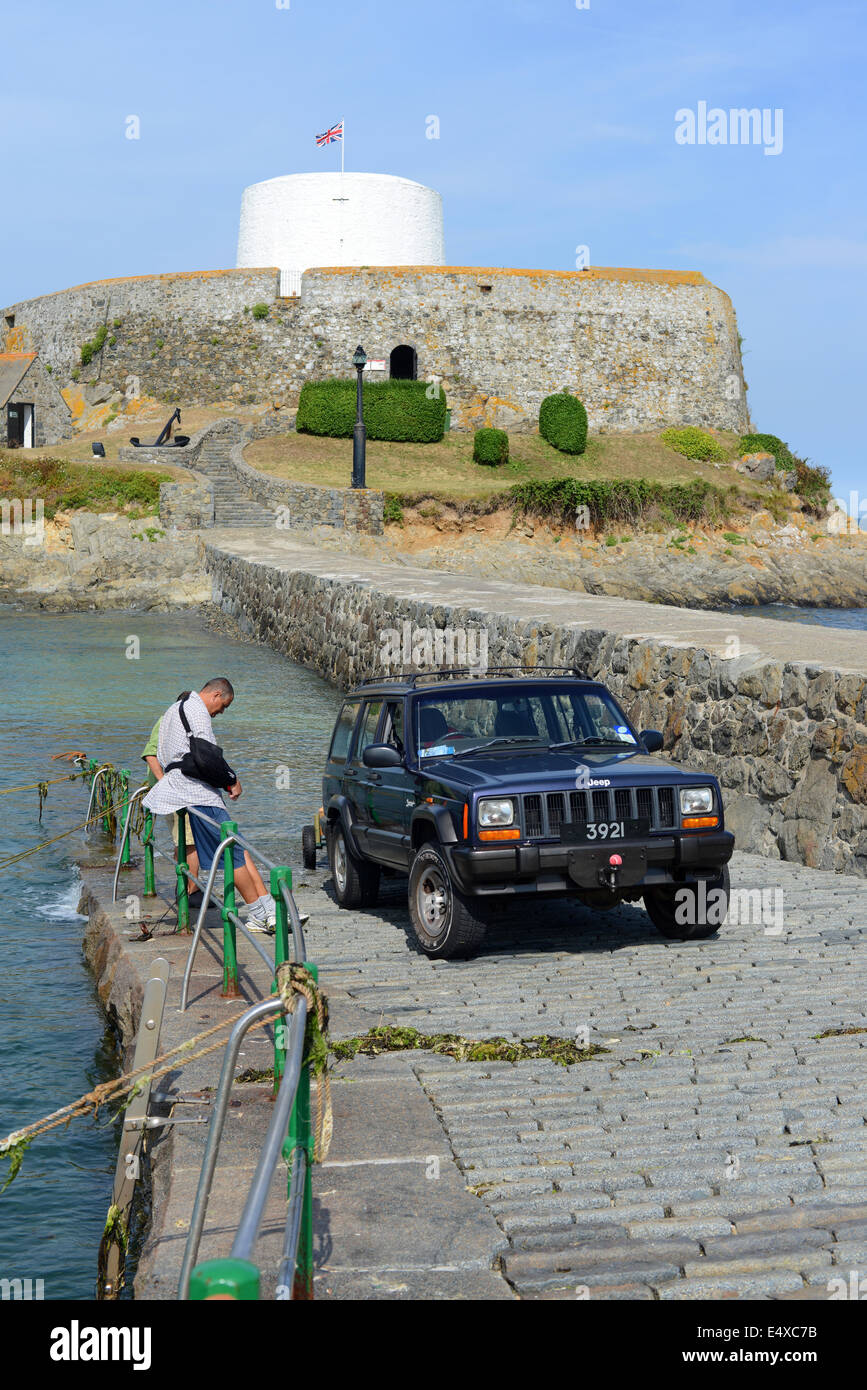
359 433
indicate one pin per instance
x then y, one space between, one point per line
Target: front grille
543 814
532 823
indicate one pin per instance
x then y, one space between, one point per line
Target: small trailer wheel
308 847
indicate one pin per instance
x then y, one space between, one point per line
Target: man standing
154 775
178 789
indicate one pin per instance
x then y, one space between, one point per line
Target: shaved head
219 686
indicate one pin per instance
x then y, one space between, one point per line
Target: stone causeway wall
787 741
642 348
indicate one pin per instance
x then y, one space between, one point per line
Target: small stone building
33 412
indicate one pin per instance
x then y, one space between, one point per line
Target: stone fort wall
642 348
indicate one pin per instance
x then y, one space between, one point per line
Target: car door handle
374 777
350 772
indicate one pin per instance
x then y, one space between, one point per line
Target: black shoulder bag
204 762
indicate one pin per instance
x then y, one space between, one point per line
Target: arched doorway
404 363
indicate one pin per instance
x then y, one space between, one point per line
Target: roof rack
447 673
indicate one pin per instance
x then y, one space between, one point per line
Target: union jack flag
329 137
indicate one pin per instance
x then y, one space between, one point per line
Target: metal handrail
257 945
124 837
294 1216
254 1207
96 776
215 1131
242 839
207 893
295 920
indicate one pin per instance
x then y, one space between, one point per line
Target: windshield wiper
592 743
495 742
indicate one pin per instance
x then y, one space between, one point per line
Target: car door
360 782
389 834
333 783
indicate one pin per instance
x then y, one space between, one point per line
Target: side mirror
381 755
652 740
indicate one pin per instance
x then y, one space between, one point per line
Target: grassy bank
621 478
447 470
64 486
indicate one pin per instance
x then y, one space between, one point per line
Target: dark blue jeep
520 782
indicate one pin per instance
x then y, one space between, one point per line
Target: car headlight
696 801
499 812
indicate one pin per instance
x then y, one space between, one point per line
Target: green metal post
124 782
230 949
221 1279
281 953
147 837
301 1137
183 881
106 819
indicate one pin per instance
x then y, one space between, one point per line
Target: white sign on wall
376 364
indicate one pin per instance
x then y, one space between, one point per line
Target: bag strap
184 720
186 723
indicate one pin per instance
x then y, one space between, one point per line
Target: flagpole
343 148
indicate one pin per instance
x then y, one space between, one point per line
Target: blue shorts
207 836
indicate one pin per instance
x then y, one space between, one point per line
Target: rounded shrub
402 411
694 443
768 444
563 422
491 446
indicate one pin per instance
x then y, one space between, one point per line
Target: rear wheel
308 846
446 923
692 911
356 883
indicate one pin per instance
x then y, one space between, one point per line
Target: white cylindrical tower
304 220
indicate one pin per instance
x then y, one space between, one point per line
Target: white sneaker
266 925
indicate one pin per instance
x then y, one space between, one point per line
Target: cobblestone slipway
716 1150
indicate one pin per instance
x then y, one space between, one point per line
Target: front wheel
446 923
692 911
356 883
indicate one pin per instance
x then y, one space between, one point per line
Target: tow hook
615 863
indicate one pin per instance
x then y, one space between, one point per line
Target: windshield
505 719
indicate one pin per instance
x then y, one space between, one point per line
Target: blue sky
557 130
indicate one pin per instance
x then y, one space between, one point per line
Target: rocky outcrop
89 561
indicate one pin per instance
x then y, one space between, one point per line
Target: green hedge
491 446
769 444
693 443
396 410
563 422
627 499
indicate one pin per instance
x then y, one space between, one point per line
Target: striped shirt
175 790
